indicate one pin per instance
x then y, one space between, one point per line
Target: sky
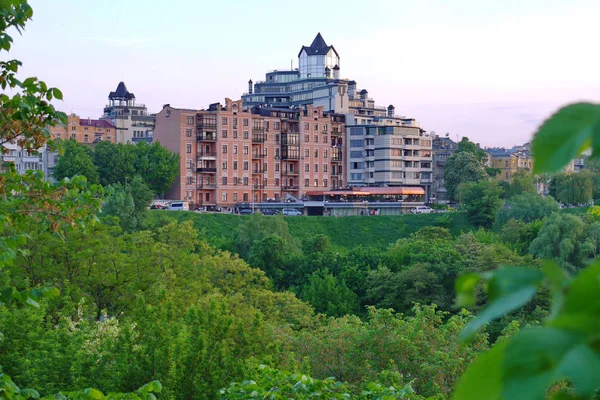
491 70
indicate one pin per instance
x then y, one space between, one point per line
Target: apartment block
85 130
442 149
43 160
230 155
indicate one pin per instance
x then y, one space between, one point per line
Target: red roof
99 123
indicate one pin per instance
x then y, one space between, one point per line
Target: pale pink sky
487 69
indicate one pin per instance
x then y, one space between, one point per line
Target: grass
344 233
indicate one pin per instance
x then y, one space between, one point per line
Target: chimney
336 72
89 121
391 111
327 72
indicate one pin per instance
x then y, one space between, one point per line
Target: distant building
44 160
85 130
442 148
131 119
231 156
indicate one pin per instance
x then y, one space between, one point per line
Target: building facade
442 149
85 130
43 160
231 155
132 121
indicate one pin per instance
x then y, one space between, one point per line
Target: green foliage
482 200
128 203
465 145
526 207
566 239
572 188
522 182
115 163
157 165
553 148
330 295
76 160
274 384
462 167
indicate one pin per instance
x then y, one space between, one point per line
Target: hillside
344 233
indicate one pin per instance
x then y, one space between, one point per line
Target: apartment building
509 162
231 155
43 160
132 121
442 149
85 130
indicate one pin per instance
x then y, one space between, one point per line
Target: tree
157 165
593 165
462 167
330 295
527 207
522 182
465 145
115 163
76 160
481 200
572 188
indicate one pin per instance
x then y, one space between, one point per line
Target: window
306 138
235 180
235 122
245 197
266 125
324 182
235 197
246 124
325 139
357 143
207 197
245 181
505 162
245 165
235 165
224 165
264 182
306 182
324 153
190 120
324 127
265 167
357 154
188 133
277 167
306 127
324 167
224 121
316 182
188 148
245 149
235 149
224 133
72 128
316 167
189 164
224 149
235 137
224 180
224 196
276 181
277 136
316 127
306 167
306 153
245 134
85 139
276 126
316 139
316 153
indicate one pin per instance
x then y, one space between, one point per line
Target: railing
257 156
291 187
206 170
207 186
257 171
205 154
206 125
257 186
206 137
258 137
292 173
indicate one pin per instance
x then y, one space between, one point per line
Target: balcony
206 156
206 170
258 129
426 180
206 137
257 186
257 156
291 187
210 124
290 173
258 137
207 186
257 171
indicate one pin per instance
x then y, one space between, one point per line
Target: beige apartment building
85 130
230 155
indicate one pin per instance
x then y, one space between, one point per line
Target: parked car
246 211
179 206
291 212
270 212
422 210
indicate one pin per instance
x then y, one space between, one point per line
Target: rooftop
98 123
121 93
317 47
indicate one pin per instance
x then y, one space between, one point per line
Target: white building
44 160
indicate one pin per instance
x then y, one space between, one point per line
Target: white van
179 206
291 212
422 210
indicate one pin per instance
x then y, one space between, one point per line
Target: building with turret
132 120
